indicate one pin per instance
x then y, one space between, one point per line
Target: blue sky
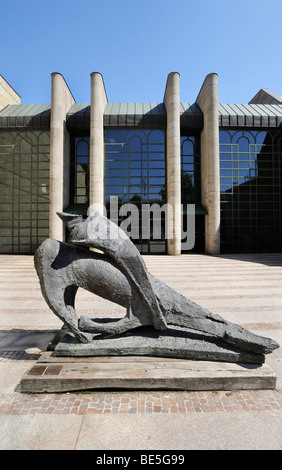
135 45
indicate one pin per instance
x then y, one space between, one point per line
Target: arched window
190 170
135 173
79 171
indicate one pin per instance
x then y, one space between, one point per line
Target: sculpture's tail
180 311
241 338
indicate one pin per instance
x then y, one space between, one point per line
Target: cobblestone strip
139 402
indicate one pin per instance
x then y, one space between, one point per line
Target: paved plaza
245 289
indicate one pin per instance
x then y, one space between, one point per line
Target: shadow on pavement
23 340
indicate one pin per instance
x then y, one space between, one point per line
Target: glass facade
251 190
135 162
190 170
24 190
79 170
135 173
191 185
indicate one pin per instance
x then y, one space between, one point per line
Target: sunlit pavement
245 289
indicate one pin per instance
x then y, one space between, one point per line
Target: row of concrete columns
207 100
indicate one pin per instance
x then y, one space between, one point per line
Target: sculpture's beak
70 220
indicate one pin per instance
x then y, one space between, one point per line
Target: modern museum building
223 159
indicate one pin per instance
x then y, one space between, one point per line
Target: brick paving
246 288
140 402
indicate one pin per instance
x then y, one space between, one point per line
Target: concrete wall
208 103
61 101
7 94
172 105
96 167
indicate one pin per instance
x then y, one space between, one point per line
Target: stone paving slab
179 432
39 432
232 431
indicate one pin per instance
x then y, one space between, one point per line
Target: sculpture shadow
21 340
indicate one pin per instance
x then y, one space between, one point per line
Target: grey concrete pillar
61 101
172 105
96 168
208 103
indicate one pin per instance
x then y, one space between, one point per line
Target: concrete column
61 101
208 103
172 105
96 168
